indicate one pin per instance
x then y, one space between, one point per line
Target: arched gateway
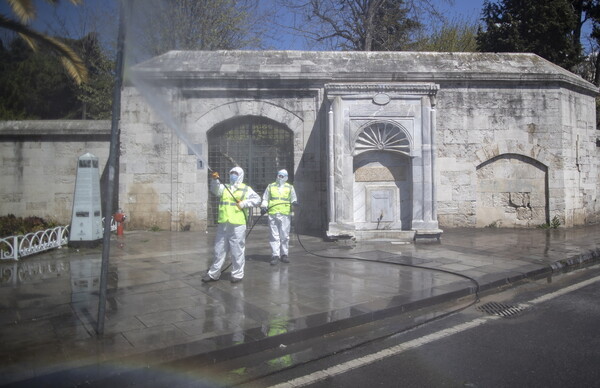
259 145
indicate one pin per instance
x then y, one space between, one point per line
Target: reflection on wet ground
158 310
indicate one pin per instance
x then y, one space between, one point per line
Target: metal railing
14 247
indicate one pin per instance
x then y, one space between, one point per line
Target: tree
455 36
25 12
591 66
33 85
163 25
95 95
584 10
362 25
547 28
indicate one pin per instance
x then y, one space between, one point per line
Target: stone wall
38 164
513 138
161 183
542 145
513 135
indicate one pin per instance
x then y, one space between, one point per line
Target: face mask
233 179
281 180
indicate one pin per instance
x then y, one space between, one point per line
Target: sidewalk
158 310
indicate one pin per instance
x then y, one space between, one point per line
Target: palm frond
24 9
30 42
72 63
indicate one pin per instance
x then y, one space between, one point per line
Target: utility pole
112 161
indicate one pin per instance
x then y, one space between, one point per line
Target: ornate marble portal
381 160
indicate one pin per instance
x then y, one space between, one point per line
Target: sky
48 16
467 8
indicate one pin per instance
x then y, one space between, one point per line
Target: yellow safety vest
279 198
228 210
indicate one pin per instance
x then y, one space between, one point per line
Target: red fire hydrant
120 218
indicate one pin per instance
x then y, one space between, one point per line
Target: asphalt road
548 338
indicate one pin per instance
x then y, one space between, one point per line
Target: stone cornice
55 128
260 80
393 88
297 69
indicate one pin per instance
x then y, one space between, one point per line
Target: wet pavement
159 312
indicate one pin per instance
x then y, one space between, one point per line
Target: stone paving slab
158 310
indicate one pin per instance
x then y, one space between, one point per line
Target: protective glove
295 204
215 175
263 211
241 204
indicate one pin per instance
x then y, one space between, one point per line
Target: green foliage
392 27
95 95
359 25
161 26
554 224
14 226
456 36
34 85
545 28
23 12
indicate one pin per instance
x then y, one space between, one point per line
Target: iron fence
14 247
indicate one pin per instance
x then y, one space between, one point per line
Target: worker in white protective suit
278 199
235 199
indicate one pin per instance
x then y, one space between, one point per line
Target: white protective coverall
231 237
279 224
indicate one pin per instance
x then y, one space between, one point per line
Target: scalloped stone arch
391 123
251 108
534 152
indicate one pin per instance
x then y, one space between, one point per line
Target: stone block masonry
380 141
38 164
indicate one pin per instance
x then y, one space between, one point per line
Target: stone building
378 144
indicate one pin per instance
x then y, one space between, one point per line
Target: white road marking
394 350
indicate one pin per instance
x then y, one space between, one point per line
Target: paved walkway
158 310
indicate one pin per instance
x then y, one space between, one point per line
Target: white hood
240 173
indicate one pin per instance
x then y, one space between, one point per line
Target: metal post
330 166
112 158
16 248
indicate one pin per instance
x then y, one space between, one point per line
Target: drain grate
500 309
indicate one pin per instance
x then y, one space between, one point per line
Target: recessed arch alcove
512 191
382 193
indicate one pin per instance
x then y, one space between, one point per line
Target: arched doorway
259 145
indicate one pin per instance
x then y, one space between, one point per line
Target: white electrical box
86 220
